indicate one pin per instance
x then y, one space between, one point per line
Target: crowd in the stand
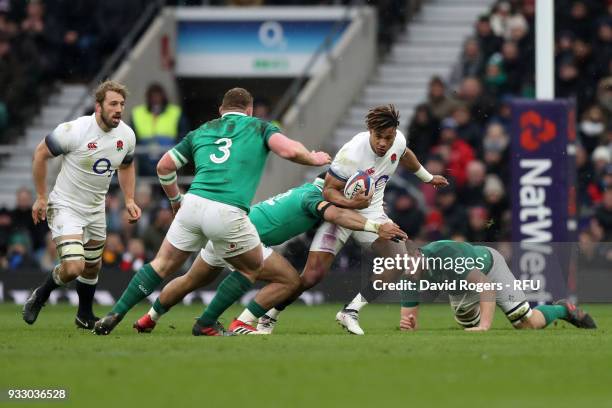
461 131
43 41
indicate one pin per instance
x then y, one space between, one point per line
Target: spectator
438 102
113 250
480 104
144 200
603 214
497 204
22 219
467 129
134 258
604 98
478 225
471 61
78 38
513 67
472 192
12 80
423 131
496 80
489 42
601 157
495 148
456 152
579 21
591 128
588 191
156 232
407 214
453 214
436 165
38 43
159 125
19 252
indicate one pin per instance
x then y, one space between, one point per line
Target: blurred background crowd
462 129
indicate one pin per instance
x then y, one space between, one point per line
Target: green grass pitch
309 362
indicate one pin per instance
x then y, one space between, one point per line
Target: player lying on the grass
277 220
445 261
378 151
93 148
229 154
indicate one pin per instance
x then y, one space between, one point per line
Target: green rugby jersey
443 258
455 254
288 214
229 154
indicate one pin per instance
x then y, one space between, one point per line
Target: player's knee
72 269
310 280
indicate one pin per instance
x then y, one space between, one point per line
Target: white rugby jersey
357 154
90 157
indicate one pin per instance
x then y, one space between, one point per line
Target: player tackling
277 220
93 148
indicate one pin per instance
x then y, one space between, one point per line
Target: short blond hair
112 86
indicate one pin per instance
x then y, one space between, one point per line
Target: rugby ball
357 183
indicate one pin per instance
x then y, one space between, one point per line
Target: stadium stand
451 71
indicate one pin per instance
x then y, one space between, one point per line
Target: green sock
256 309
229 291
159 308
552 312
142 285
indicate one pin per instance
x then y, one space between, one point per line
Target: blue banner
543 196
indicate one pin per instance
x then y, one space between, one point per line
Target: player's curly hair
382 117
237 98
107 86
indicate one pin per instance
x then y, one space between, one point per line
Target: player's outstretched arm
410 161
39 174
409 318
357 222
294 151
487 301
127 182
166 172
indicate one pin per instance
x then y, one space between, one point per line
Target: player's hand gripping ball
357 183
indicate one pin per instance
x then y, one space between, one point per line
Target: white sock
87 281
153 314
357 303
273 313
247 317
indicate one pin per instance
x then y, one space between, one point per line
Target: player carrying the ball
448 261
277 220
377 152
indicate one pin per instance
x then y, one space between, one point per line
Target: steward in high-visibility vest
158 125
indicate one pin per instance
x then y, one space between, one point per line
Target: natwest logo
370 171
92 146
536 130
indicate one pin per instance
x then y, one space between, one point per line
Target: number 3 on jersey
224 149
